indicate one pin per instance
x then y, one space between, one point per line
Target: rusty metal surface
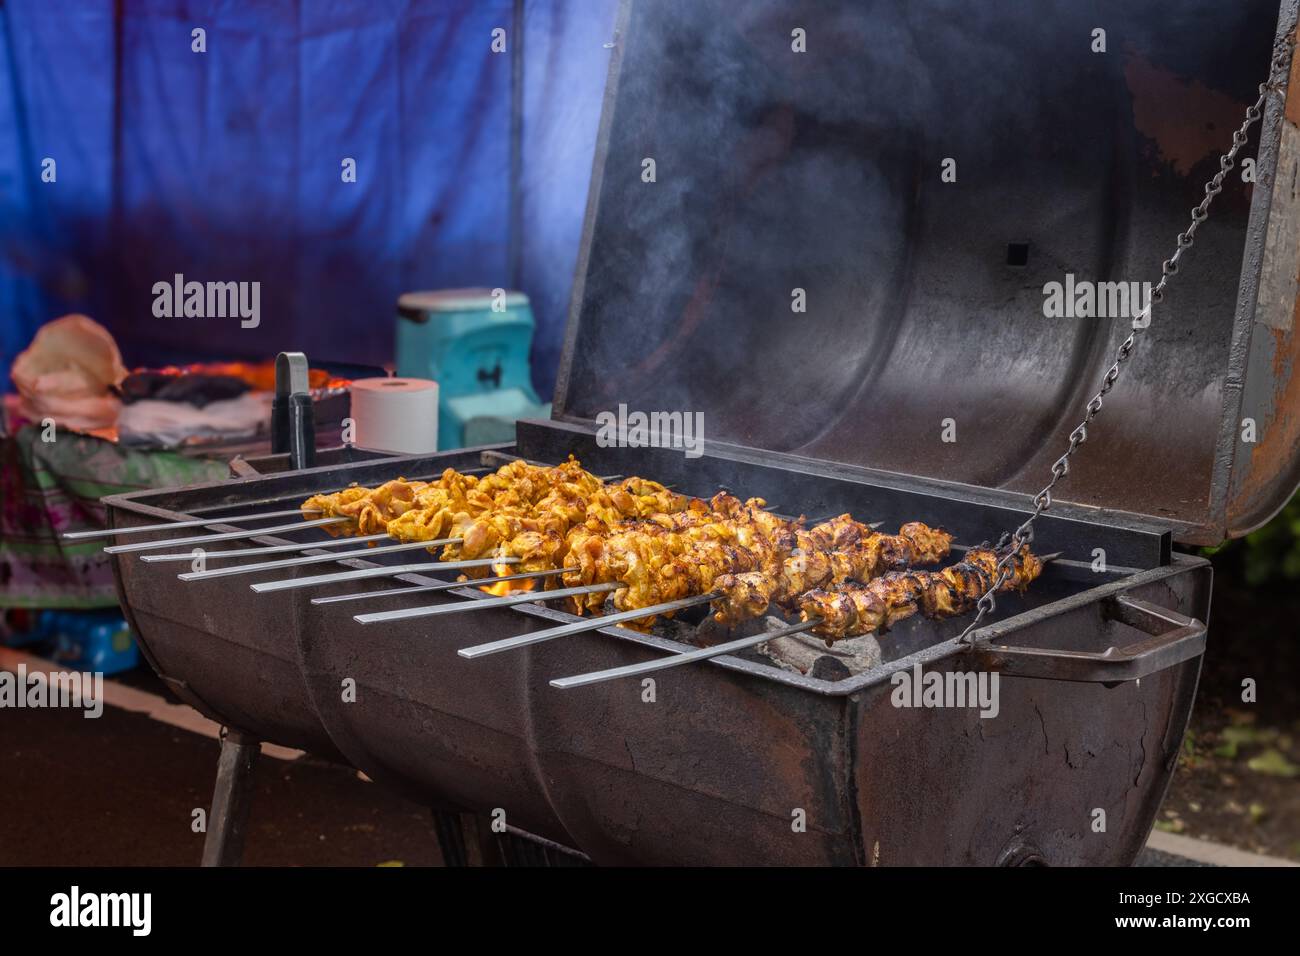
241 467
232 660
1265 469
714 769
426 721
1163 640
231 657
780 171
1029 781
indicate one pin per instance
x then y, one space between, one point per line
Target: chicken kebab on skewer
545 544
854 609
665 557
831 553
514 484
660 545
742 552
537 533
530 506
371 509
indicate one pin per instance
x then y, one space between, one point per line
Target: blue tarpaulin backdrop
472 166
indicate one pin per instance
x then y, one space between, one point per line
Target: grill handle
293 423
1173 639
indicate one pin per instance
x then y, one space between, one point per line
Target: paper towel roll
396 414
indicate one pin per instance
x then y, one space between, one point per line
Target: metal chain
1024 534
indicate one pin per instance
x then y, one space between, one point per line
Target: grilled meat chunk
537 505
662 546
853 609
830 553
370 508
666 557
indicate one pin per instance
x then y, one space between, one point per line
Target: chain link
1024 534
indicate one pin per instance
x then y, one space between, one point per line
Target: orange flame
259 375
502 588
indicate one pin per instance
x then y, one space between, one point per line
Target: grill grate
466 596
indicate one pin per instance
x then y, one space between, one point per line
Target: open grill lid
821 171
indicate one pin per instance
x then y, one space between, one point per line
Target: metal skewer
682 657
821 519
397 592
195 523
295 546
484 604
270 548
295 562
298 497
385 572
579 627
233 519
699 654
116 549
226 536
274 548
447 586
225 519
312 559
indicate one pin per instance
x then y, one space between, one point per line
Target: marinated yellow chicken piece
565 506
370 509
663 560
428 511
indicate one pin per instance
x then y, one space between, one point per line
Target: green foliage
1270 555
1273 763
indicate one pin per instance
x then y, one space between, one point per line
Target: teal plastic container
475 345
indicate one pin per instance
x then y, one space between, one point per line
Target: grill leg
465 839
231 795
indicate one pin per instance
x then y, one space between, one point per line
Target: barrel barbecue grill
778 172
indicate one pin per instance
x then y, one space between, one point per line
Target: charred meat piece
853 609
830 553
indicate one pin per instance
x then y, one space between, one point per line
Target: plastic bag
66 373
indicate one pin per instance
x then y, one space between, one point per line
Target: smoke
778 171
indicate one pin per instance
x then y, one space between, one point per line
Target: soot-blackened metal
711 771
